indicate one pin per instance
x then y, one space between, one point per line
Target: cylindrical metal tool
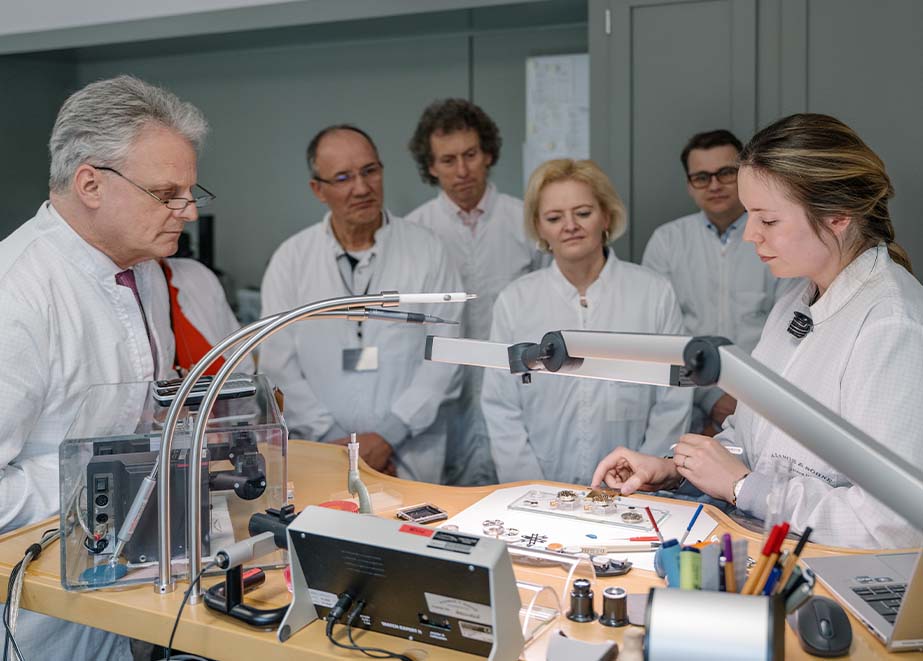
615 607
581 602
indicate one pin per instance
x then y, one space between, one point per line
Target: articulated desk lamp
353 308
654 359
750 627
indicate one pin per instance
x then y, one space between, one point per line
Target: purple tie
126 278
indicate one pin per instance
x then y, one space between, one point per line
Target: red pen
757 570
650 515
773 558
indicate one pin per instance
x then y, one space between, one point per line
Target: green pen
690 568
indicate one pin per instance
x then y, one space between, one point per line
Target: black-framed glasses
371 171
172 203
726 175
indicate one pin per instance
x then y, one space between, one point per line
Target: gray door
665 70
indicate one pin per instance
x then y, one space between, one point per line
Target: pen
733 449
602 549
650 515
796 599
773 557
691 523
772 580
730 583
789 565
757 570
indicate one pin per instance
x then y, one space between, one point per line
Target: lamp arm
715 361
875 467
165 583
275 324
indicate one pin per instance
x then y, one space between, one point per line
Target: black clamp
702 360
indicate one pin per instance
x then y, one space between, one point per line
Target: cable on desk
337 611
14 592
179 614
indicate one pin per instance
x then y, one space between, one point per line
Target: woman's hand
631 471
704 462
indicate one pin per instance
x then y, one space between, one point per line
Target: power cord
342 604
14 592
192 585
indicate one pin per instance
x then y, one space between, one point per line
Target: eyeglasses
173 203
726 175
371 171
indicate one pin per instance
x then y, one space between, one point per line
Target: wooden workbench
319 472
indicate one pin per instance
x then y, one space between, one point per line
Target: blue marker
691 523
772 580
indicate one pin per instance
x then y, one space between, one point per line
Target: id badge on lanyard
362 359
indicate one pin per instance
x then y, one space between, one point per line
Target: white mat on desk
570 532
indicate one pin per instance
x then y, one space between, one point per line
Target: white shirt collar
847 284
597 287
86 256
484 205
334 244
733 227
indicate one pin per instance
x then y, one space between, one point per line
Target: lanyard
353 262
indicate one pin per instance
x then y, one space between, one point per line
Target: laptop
885 591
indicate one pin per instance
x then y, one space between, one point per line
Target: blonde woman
818 203
558 428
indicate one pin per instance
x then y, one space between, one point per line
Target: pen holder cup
718 626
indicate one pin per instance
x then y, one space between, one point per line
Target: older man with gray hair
83 300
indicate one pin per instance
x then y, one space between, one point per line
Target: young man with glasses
454 145
722 286
345 376
84 300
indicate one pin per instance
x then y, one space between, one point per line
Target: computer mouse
823 627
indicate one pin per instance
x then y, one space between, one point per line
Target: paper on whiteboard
557 109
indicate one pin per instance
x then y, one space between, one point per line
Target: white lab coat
863 360
723 288
201 298
305 361
66 325
559 427
488 259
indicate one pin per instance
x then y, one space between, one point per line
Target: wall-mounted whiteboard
557 110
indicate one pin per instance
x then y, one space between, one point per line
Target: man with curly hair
454 145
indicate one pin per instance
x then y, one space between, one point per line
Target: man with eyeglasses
455 145
83 298
722 286
345 376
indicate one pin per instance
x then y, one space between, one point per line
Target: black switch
102 484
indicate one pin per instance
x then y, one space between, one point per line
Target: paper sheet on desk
574 532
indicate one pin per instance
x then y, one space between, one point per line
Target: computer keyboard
885 599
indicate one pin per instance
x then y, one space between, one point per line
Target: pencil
730 583
650 515
757 570
691 523
773 557
789 566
